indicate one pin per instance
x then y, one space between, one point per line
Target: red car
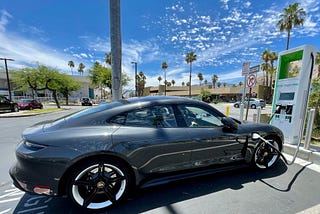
29 104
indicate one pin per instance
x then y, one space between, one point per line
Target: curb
307 155
27 114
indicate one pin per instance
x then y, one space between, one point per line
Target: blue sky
222 33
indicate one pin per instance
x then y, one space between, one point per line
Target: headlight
33 146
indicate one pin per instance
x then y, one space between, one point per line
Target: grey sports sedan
97 156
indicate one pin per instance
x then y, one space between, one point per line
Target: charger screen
286 96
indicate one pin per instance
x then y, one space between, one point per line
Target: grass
44 110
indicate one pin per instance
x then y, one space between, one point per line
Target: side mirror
229 123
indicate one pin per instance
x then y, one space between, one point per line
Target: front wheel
265 156
98 184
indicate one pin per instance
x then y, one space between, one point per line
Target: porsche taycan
98 155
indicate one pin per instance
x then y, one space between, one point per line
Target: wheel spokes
90 197
116 179
83 183
109 194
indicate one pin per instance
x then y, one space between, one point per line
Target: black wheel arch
62 188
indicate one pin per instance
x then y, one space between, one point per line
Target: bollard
241 112
258 114
309 129
227 110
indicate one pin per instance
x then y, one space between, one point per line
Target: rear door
151 140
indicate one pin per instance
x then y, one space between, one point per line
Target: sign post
245 71
250 82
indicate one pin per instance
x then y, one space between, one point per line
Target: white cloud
4 20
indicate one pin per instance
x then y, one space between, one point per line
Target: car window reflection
155 116
199 117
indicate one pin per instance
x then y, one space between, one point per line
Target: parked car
253 103
7 105
29 104
85 101
104 101
98 155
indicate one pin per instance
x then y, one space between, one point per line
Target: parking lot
281 189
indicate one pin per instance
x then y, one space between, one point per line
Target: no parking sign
251 80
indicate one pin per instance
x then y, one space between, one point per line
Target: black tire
98 184
253 106
15 108
236 105
264 155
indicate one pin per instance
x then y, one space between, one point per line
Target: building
87 90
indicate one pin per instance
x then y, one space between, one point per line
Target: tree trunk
67 99
54 94
288 40
190 80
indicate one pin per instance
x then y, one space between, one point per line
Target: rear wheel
236 105
98 184
253 106
265 156
15 108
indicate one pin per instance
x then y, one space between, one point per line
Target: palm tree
240 83
273 57
71 65
224 84
293 16
205 82
190 57
219 84
183 84
164 66
265 57
81 68
200 76
141 81
173 82
318 63
214 80
159 79
108 58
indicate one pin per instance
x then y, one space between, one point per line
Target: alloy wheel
265 156
99 186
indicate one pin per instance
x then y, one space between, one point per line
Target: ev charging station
291 91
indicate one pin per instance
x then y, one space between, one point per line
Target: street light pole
8 80
135 77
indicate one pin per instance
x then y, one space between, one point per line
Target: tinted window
199 117
155 116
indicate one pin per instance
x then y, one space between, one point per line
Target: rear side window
155 116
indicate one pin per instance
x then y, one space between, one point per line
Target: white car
253 103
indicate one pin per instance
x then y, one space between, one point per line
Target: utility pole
135 78
8 80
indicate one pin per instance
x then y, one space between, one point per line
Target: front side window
155 116
195 116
